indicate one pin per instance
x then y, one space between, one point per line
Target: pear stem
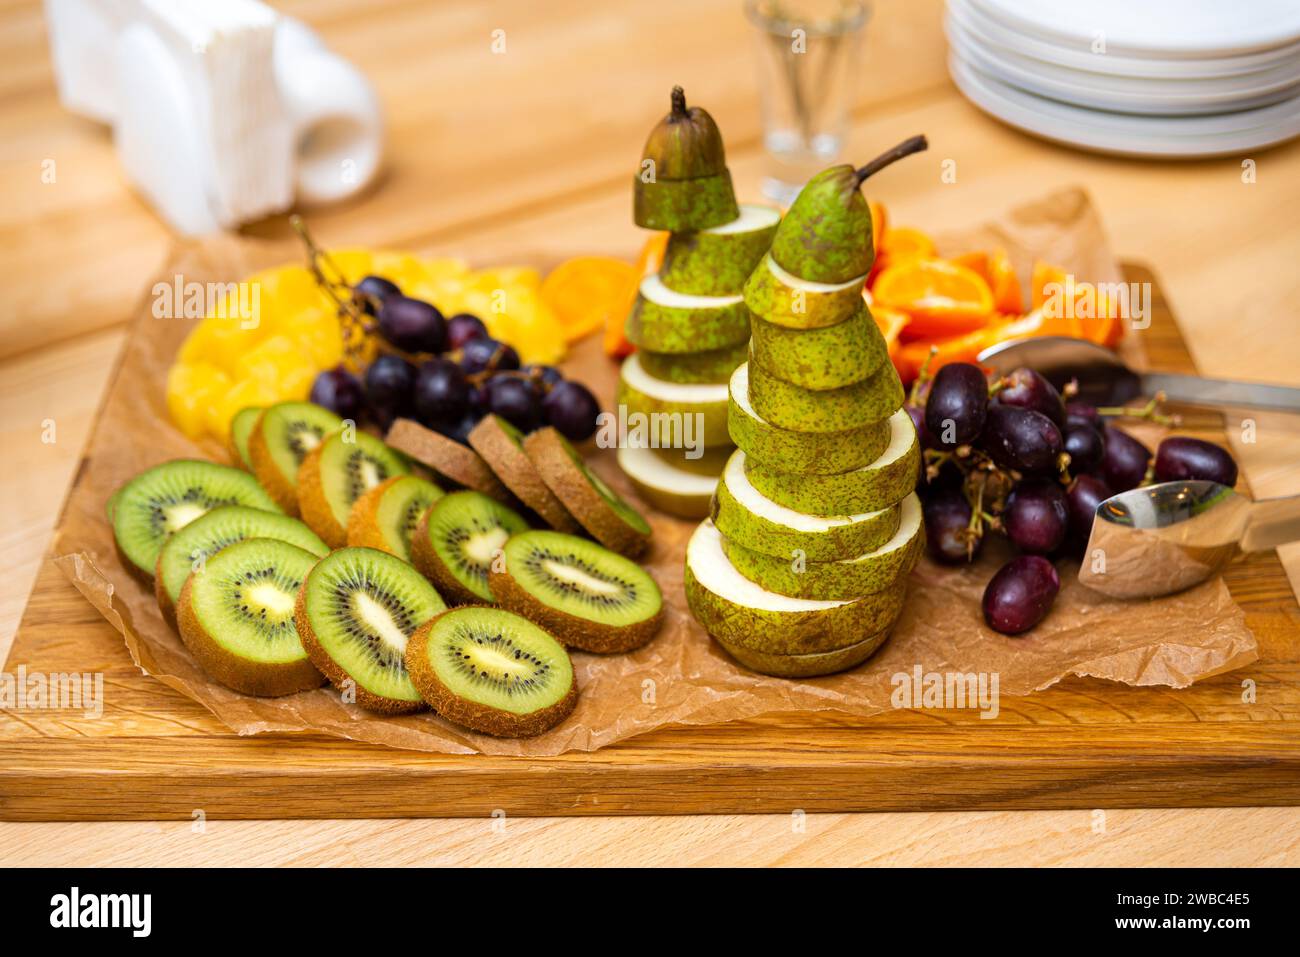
906 148
679 101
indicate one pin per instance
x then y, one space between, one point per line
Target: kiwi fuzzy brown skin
266 473
313 507
363 526
572 631
517 472
468 714
448 458
339 678
269 681
426 561
164 600
562 476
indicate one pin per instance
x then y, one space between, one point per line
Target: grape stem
353 320
923 377
1148 411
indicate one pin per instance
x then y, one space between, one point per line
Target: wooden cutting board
154 754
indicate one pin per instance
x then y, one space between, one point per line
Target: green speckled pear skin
706 263
826 235
819 359
664 416
715 365
679 205
686 143
832 410
810 665
680 330
771 297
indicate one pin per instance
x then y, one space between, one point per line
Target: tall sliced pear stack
802 567
689 323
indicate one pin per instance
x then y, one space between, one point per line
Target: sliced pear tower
689 323
801 568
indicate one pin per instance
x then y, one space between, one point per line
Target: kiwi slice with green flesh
801 453
786 300
236 616
714 365
674 485
666 321
748 517
457 463
355 613
610 520
282 437
502 448
740 614
492 671
717 261
458 540
164 499
832 410
386 516
342 468
821 359
241 430
584 594
881 569
674 414
878 485
191 547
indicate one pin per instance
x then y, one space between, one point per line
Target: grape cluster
1016 456
448 373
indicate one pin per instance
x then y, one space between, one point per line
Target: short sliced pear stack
689 323
802 567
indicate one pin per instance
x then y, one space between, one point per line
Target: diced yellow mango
192 388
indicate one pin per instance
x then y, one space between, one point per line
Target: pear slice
679 205
666 484
805 666
879 570
752 622
830 410
884 482
717 261
665 321
676 415
715 365
786 300
745 515
828 358
805 453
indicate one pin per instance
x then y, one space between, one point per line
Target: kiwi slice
167 497
281 439
336 473
191 547
502 447
492 671
584 594
609 519
355 613
458 540
386 517
236 618
241 430
453 461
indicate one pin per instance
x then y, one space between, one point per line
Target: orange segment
1074 308
891 323
995 267
649 261
586 292
942 298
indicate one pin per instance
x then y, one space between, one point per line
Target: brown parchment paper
681 678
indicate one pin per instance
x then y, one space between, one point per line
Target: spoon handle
1193 390
1273 522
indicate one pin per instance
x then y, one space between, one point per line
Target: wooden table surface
533 147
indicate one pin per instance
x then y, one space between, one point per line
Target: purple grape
1082 413
1022 439
947 520
339 391
371 289
390 381
441 393
516 400
1020 595
549 376
460 428
412 325
463 327
1124 464
572 409
958 403
478 399
1036 517
1086 492
1180 458
1086 447
480 355
1027 389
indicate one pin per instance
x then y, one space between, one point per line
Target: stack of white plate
1138 77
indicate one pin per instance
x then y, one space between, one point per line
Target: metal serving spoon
1162 538
1104 379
